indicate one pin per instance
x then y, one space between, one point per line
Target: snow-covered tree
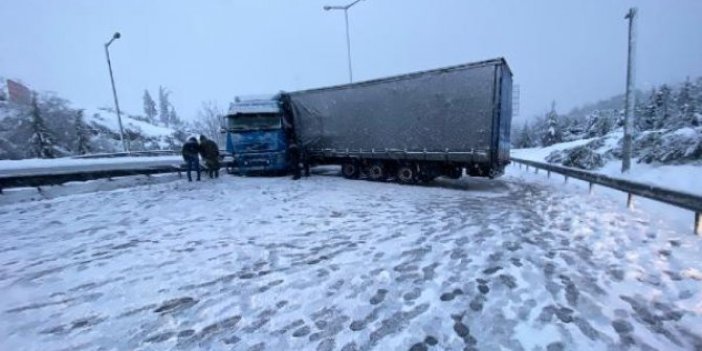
82 135
663 104
599 124
553 133
525 139
697 101
164 105
41 141
686 105
174 120
149 106
697 93
647 116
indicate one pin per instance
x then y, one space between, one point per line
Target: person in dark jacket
210 153
294 152
190 155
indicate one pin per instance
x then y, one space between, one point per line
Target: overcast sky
573 52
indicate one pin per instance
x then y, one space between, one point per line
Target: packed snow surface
332 264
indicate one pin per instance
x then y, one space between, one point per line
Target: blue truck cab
256 138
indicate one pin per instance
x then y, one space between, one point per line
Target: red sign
19 93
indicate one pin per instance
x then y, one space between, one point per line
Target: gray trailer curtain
434 111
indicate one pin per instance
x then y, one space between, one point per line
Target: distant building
18 93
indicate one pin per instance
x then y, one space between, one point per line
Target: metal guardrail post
590 189
698 223
630 201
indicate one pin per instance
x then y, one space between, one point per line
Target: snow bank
681 177
540 153
67 165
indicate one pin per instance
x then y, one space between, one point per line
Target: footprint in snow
175 305
378 297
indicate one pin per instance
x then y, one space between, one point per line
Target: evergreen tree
686 105
663 104
598 124
174 120
618 118
697 94
553 133
647 117
149 107
82 135
525 139
165 113
697 101
41 141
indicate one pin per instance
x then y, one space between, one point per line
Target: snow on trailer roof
491 62
259 104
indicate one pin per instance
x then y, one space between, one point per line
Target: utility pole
348 45
630 98
125 145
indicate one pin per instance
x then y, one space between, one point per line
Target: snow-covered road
331 264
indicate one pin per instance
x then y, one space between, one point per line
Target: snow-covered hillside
142 134
98 125
63 129
666 144
602 155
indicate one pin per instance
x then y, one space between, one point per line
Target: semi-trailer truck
409 128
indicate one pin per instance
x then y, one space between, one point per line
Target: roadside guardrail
57 179
130 154
56 174
672 197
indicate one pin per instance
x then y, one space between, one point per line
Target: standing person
294 152
210 153
190 155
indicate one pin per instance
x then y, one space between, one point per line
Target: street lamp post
630 93
114 92
348 36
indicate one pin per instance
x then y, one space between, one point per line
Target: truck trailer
409 128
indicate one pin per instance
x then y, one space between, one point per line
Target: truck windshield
256 121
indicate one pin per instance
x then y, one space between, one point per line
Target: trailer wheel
377 172
350 170
407 174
